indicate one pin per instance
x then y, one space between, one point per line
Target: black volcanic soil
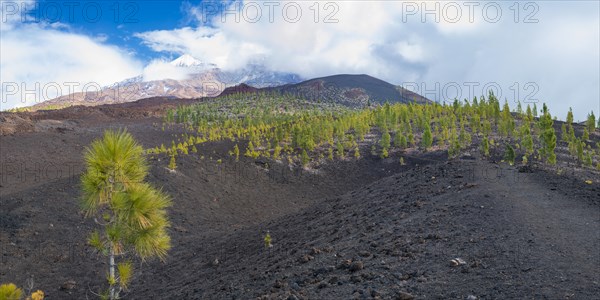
367 229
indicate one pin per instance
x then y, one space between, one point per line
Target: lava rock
404 296
357 266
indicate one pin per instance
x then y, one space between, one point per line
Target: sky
545 51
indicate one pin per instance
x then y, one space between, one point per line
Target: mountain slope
363 228
395 239
205 80
351 90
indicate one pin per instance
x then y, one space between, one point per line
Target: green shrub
10 291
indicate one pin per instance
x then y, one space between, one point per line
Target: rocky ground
368 229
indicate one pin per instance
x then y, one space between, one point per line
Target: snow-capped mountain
189 62
204 79
186 60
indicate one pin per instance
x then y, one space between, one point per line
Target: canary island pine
131 213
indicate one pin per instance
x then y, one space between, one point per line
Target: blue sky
545 51
116 21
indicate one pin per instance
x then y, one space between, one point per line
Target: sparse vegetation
10 291
303 132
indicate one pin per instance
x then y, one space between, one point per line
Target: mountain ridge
207 80
354 90
204 80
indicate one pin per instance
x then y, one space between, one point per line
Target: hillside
395 239
377 225
351 90
347 90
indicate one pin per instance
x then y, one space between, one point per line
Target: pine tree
495 105
464 137
385 140
547 136
403 142
236 152
475 124
172 163
529 114
564 132
591 122
507 125
580 145
487 127
277 152
526 139
384 153
485 146
398 140
410 136
133 213
588 161
340 149
427 139
509 155
305 158
454 148
586 134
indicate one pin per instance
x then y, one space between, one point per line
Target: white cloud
313 48
410 51
559 54
11 13
41 61
160 69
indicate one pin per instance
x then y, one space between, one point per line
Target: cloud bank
545 51
41 61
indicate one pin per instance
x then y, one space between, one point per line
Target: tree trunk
111 272
111 258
